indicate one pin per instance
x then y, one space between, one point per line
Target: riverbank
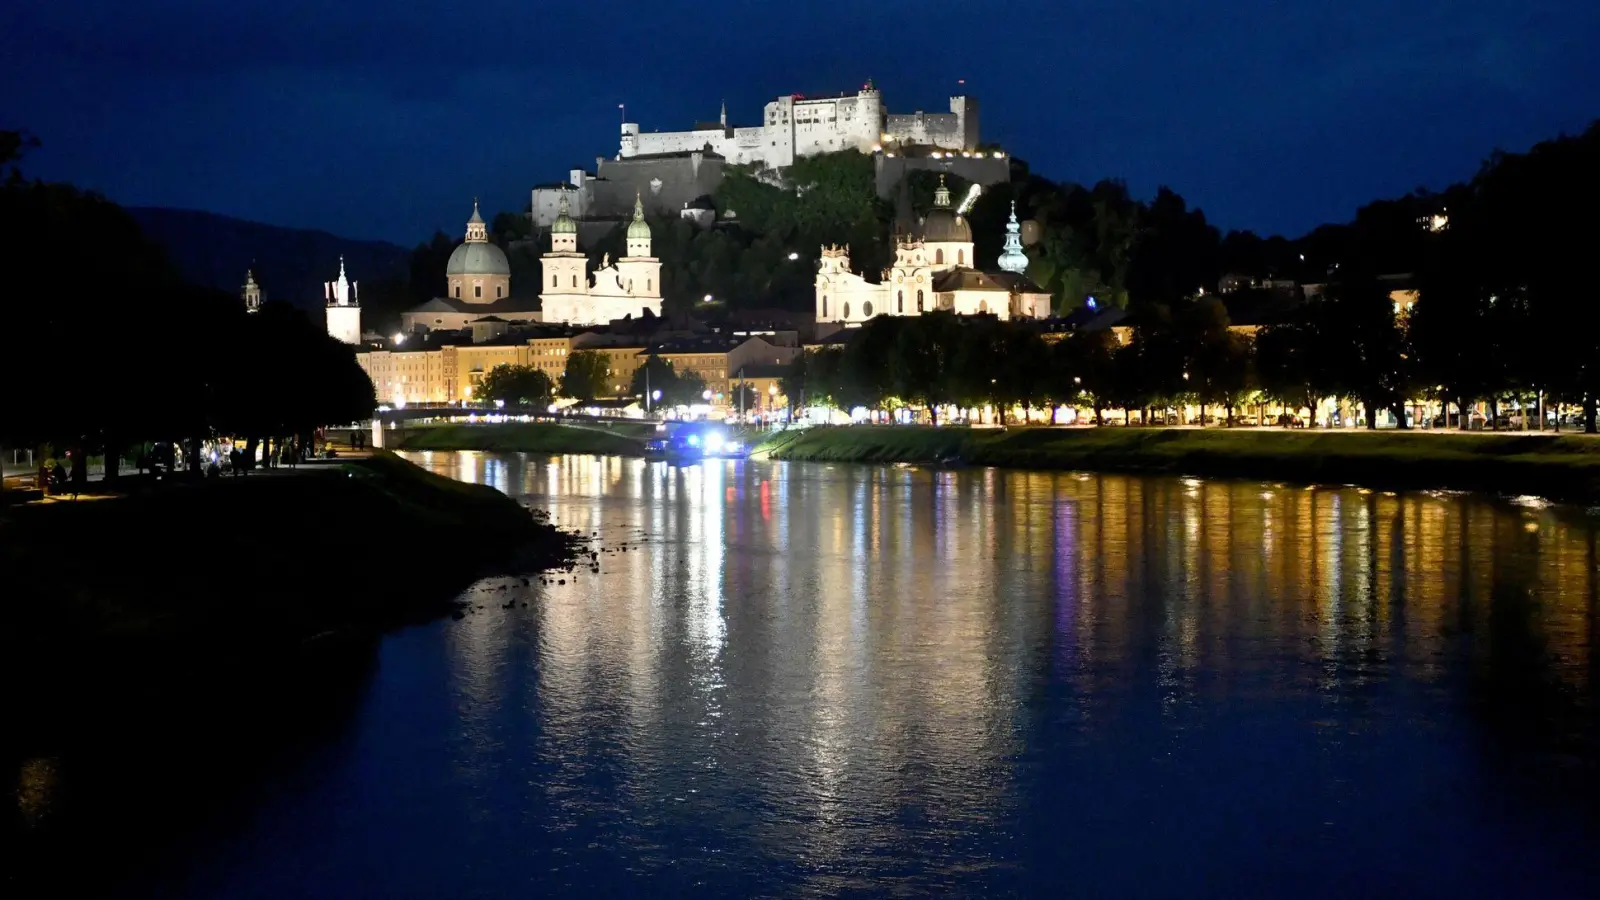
1564 467
620 439
235 567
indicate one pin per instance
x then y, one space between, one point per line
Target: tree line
586 378
1506 315
109 349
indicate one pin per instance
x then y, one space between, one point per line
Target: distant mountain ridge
291 264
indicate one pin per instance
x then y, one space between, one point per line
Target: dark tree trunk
1098 418
1588 414
933 414
1399 412
80 467
113 458
1463 421
1494 414
1370 409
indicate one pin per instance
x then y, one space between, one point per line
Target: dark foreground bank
211 632
1564 467
234 567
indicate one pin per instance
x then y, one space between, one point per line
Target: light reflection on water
828 679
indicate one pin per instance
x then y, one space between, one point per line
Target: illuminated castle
795 125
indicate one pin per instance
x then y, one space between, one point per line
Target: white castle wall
794 126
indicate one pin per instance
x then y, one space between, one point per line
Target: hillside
291 263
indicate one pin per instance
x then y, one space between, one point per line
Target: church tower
639 272
566 279
1013 259
252 292
344 307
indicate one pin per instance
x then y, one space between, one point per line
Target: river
828 680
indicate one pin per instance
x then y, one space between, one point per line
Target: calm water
806 680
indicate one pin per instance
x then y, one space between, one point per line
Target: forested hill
290 263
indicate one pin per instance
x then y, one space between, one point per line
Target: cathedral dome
943 225
478 258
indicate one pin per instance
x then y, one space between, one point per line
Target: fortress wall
985 171
683 179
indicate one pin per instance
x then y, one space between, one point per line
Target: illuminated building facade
934 269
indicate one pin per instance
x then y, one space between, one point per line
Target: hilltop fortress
675 172
796 125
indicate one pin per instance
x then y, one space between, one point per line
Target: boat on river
687 442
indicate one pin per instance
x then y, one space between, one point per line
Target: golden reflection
852 635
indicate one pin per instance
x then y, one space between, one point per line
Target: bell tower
344 307
251 292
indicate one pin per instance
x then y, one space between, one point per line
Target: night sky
383 120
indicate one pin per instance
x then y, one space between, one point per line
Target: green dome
477 258
638 228
563 223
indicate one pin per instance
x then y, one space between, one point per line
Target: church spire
252 292
941 197
724 118
1013 259
638 230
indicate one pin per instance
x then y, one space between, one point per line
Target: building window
553 282
574 281
498 289
938 257
824 306
961 257
899 301
477 290
866 310
847 309
647 285
919 301
458 292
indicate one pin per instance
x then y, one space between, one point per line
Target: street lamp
793 257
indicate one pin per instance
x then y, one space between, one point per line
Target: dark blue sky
383 120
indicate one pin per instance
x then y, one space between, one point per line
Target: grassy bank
1557 466
621 439
233 566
